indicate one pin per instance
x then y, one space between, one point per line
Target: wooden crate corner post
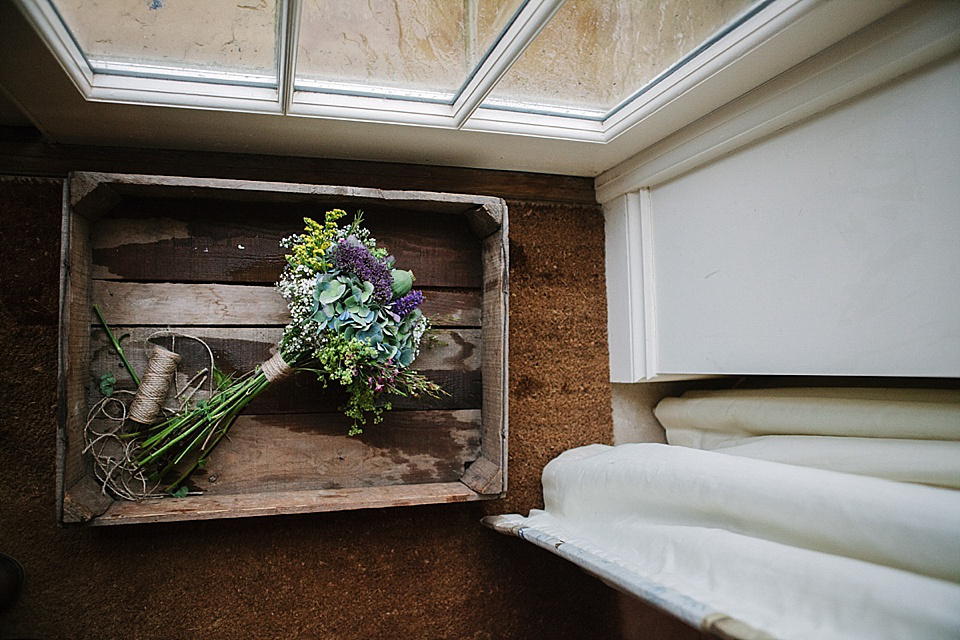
79 497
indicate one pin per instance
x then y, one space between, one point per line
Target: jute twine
276 368
154 385
107 431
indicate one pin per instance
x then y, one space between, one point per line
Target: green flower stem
197 430
116 345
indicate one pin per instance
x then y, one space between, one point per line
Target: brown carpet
416 572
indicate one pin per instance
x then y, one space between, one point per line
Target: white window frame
668 101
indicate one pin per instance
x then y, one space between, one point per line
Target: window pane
594 54
424 49
174 38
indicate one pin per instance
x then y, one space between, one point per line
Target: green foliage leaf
108 383
180 492
221 379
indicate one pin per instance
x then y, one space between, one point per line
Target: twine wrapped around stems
276 368
154 385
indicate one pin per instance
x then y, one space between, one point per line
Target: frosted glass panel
417 48
173 38
594 54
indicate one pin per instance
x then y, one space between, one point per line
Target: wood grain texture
285 502
84 501
163 304
484 476
239 349
494 336
453 363
90 197
177 240
281 452
27 157
73 357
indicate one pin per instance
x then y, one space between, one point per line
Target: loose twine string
106 437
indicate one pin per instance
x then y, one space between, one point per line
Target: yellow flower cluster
311 247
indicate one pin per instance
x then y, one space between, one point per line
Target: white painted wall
831 247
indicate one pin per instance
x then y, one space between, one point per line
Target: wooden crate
200 257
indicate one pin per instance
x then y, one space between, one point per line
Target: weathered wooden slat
243 505
239 349
492 478
487 218
171 187
90 197
303 393
39 158
84 501
282 452
224 241
165 304
73 358
453 362
484 476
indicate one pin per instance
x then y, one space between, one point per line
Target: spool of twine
154 385
276 368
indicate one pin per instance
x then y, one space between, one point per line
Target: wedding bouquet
355 322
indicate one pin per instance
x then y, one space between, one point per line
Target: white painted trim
112 68
625 290
346 101
287 50
535 125
631 289
185 94
912 37
673 83
648 283
532 17
737 61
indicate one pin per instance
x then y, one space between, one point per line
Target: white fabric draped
910 435
798 523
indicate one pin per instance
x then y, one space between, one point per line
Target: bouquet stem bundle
188 437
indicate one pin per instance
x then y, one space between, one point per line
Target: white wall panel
832 247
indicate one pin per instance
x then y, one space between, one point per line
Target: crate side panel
244 505
164 303
271 453
490 477
220 241
79 495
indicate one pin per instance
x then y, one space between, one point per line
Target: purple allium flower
356 259
406 304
